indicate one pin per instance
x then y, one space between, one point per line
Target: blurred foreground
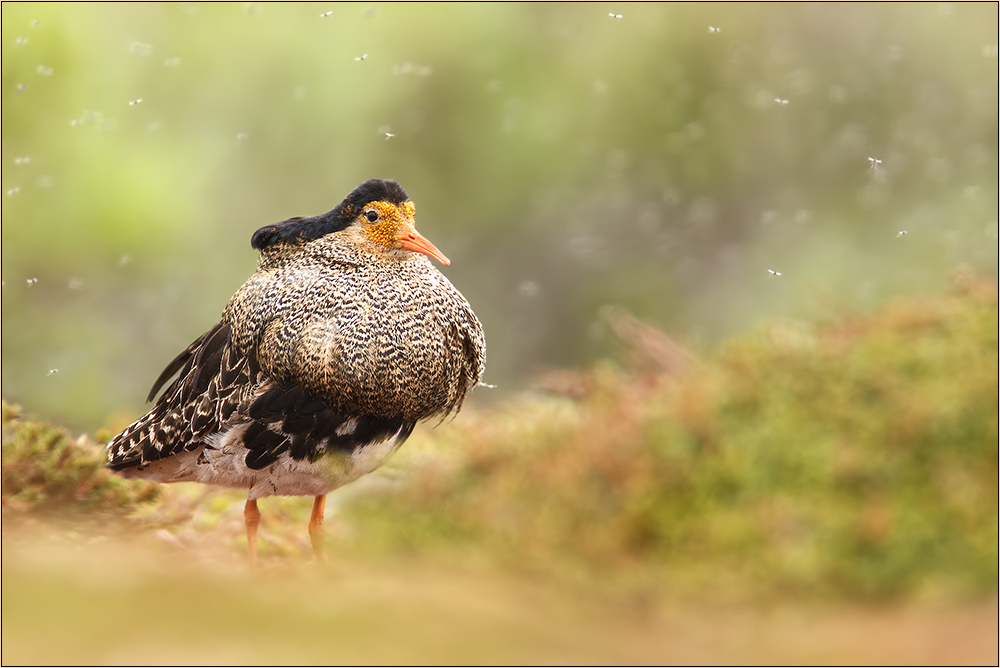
74 597
821 493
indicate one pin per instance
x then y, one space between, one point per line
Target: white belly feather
222 461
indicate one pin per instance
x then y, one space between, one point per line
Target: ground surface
79 595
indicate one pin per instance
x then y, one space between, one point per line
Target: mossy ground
45 470
856 458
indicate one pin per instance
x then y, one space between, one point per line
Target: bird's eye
372 216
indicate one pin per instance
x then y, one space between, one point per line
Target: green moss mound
46 471
857 457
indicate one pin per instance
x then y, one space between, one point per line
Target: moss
857 456
45 470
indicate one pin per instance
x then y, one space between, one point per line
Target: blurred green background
809 477
563 158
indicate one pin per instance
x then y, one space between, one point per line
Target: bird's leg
252 516
316 533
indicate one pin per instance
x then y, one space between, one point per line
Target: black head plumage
338 218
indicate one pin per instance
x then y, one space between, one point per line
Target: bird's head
377 215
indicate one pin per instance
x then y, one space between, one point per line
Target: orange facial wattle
395 229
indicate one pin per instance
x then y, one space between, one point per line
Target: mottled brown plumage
321 364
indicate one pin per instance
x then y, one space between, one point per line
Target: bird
320 366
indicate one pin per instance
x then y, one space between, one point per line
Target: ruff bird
321 365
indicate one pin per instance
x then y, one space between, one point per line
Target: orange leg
252 517
316 533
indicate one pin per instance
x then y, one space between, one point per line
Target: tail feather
126 449
169 427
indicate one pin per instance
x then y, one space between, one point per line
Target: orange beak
412 240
